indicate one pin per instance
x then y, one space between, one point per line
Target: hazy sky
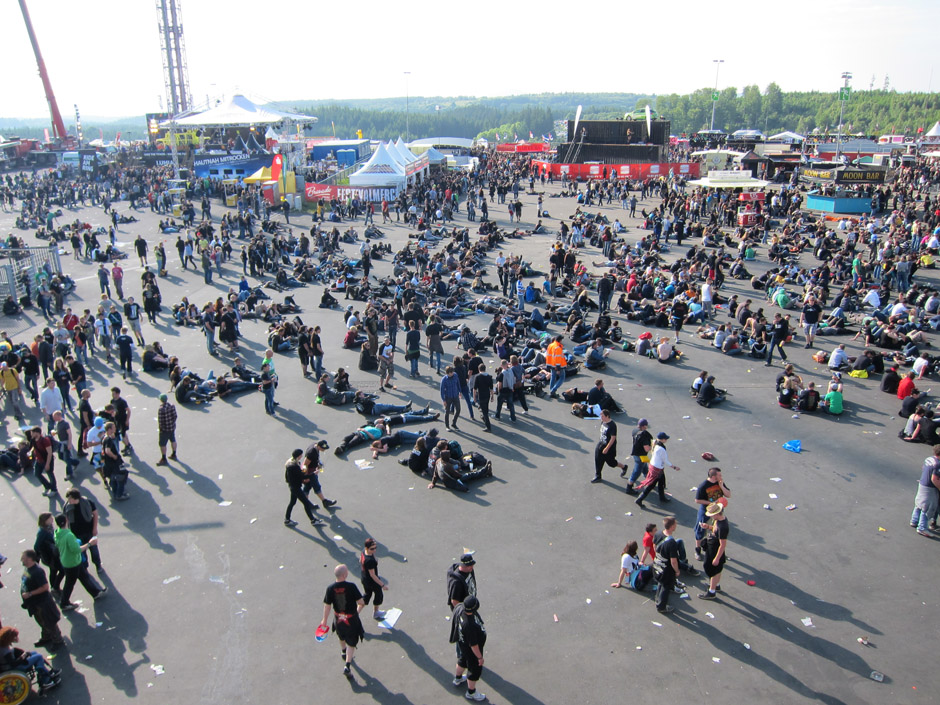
104 54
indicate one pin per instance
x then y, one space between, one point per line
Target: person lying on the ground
421 416
245 373
367 406
393 440
187 392
361 436
227 386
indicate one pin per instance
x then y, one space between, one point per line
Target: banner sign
618 171
327 192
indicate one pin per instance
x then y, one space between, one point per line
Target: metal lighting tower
718 63
175 71
844 92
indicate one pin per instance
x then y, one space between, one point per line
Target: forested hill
769 110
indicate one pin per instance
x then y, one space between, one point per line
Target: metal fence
26 265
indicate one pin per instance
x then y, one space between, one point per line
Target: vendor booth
838 189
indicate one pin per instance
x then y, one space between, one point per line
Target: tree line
868 112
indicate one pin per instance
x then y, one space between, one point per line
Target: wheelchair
16 685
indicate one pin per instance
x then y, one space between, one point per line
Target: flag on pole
530 135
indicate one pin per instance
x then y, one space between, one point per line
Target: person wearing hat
469 634
166 429
710 491
461 580
656 476
311 470
642 444
716 541
295 478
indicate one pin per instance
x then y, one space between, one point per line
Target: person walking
44 546
294 477
39 602
386 364
122 419
50 401
82 514
928 495
166 429
70 553
656 477
780 331
346 602
642 445
666 566
450 395
13 390
312 466
483 395
43 463
712 489
373 586
556 361
606 451
716 543
469 634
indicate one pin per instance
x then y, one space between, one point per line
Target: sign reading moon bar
846 176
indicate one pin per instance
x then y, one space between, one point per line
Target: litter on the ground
709 615
226 503
807 622
716 659
772 495
171 580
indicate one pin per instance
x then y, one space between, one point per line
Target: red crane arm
58 127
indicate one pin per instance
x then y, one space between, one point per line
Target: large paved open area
213 600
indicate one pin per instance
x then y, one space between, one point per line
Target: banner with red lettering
327 192
524 148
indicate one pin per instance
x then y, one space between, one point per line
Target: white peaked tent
786 136
239 112
403 148
435 157
933 135
398 155
381 170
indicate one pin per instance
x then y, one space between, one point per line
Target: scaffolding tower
175 71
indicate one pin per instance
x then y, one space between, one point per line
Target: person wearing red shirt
906 386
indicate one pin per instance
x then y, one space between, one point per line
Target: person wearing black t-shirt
345 600
373 586
605 453
294 477
642 444
483 393
710 491
468 632
715 545
311 469
666 566
122 418
780 330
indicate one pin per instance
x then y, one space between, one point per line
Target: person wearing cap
469 634
716 542
642 444
93 438
656 476
710 491
373 586
294 477
461 580
311 469
346 602
166 429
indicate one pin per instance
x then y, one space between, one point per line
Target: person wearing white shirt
872 299
707 298
921 364
838 358
50 401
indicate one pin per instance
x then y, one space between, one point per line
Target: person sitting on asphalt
708 395
450 473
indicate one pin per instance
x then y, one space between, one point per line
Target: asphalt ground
213 600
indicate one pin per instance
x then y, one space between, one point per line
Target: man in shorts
386 363
469 634
809 319
166 426
346 602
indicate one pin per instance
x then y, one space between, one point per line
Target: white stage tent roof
239 111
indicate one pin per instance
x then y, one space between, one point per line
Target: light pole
407 112
843 96
718 63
